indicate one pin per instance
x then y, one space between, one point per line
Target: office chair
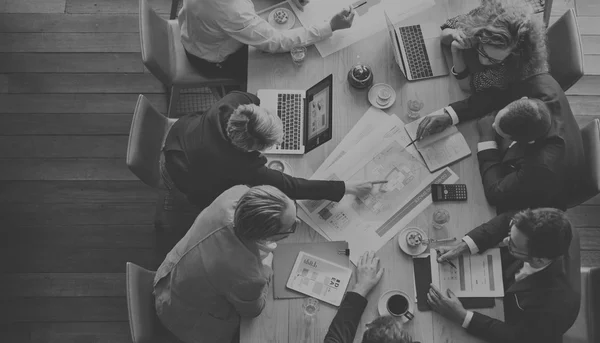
147 135
565 50
175 7
140 303
587 326
164 55
590 187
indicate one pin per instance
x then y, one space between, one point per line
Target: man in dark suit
344 324
540 304
543 173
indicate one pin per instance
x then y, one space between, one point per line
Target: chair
164 55
565 50
175 7
140 303
539 6
590 187
587 326
147 135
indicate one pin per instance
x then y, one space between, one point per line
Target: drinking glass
440 218
298 55
310 306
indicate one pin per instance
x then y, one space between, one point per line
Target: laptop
418 50
307 116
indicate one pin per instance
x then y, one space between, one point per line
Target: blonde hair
258 213
253 128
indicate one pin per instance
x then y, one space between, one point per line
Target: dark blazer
203 163
543 174
537 309
344 324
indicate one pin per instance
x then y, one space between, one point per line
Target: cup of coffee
397 306
383 96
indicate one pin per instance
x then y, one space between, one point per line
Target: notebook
422 268
440 149
285 255
319 278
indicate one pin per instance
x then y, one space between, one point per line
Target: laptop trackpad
436 56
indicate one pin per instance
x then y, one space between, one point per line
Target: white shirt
215 29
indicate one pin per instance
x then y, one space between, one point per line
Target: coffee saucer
375 90
281 166
285 26
382 304
412 251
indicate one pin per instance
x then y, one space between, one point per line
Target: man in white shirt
216 33
540 304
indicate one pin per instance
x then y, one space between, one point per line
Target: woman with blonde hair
496 44
220 271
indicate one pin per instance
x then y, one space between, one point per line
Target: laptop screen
318 113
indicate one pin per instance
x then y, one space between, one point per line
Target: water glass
298 55
310 306
440 218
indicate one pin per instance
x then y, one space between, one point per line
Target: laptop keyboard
289 110
416 53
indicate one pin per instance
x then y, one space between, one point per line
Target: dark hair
386 329
526 120
548 231
258 213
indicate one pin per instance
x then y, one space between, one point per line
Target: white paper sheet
478 275
365 23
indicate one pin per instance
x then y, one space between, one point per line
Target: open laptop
418 50
307 116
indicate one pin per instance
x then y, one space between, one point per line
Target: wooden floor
72 214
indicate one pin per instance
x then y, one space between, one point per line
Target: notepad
440 149
319 278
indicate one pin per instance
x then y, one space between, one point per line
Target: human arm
248 297
459 66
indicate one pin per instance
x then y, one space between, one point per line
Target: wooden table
283 320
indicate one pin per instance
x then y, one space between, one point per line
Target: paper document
440 149
369 18
478 275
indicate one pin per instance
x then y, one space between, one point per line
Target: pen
449 262
378 182
355 6
412 142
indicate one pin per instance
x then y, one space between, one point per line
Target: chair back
140 303
573 262
147 135
156 43
565 50
590 185
587 326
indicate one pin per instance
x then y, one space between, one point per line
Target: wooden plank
65 124
595 200
585 216
70 260
587 85
584 105
591 64
32 6
84 83
590 258
114 6
71 63
63 285
65 169
53 192
73 332
70 42
588 25
78 214
10 333
76 103
51 22
63 146
3 84
584 120
590 44
77 309
59 236
589 237
561 6
588 8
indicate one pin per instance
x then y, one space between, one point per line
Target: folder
422 267
285 256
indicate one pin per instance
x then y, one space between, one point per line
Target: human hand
450 253
265 248
485 128
435 122
268 260
361 187
459 40
300 4
342 20
368 273
447 305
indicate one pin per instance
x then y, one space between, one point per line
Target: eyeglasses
294 226
482 53
512 246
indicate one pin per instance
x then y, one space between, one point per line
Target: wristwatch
462 75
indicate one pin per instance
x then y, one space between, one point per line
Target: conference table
284 320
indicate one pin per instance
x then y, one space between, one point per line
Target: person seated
345 323
220 270
544 173
496 44
216 34
204 155
540 305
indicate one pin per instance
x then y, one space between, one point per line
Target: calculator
453 192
